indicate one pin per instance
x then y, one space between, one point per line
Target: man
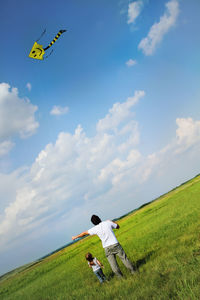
104 230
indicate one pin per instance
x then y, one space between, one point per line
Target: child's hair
89 256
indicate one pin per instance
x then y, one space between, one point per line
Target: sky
109 121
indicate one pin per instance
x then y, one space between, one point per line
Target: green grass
161 238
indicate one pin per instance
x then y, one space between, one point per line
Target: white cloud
131 62
118 113
187 134
187 139
29 86
134 10
17 116
158 30
5 147
117 169
58 110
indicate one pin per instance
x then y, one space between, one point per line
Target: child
96 265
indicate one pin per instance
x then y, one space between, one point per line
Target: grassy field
162 239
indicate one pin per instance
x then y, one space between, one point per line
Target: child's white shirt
96 266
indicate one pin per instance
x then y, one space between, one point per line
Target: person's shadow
143 260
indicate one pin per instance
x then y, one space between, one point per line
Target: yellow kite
37 51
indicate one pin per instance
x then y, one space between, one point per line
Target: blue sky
106 123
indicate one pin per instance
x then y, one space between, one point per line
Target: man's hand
117 224
73 237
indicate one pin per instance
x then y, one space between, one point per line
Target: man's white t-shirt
104 230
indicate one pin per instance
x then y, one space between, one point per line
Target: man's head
95 220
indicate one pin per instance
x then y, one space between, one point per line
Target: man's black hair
95 220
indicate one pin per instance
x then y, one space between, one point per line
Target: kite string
48 54
41 35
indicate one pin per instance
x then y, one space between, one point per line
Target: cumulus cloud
118 113
158 30
17 117
131 62
187 133
58 110
134 10
187 139
5 147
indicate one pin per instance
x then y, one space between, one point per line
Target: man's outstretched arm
117 224
80 235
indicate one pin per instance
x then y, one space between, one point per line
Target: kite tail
55 39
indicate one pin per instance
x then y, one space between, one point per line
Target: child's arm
90 264
100 264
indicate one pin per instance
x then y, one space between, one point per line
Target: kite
37 51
